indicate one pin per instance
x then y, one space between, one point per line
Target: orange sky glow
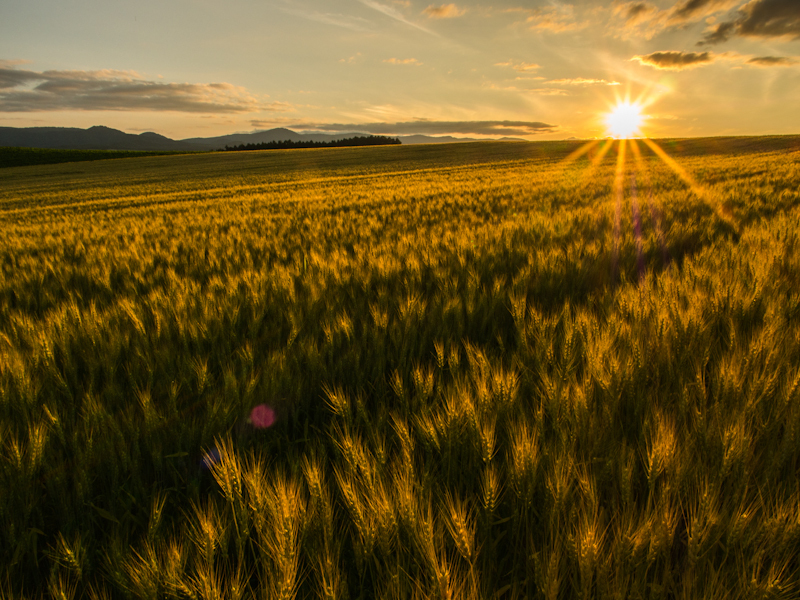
536 69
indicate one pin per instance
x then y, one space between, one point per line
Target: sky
533 69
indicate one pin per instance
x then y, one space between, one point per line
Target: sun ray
602 153
620 170
700 191
576 154
619 177
679 170
597 159
655 213
637 225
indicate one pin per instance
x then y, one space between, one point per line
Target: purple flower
262 416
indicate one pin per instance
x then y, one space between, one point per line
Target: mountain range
105 138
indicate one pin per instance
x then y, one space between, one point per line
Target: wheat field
491 371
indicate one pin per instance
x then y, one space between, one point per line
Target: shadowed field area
509 370
23 157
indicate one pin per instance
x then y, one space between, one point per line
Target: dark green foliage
23 157
359 140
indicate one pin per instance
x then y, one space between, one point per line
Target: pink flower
262 416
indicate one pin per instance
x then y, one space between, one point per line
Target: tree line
363 140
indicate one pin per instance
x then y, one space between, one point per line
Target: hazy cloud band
31 91
445 11
674 60
436 127
772 61
759 19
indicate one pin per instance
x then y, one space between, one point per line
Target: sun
624 120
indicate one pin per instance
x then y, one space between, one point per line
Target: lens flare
624 120
210 458
262 416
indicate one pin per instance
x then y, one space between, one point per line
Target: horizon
533 70
341 135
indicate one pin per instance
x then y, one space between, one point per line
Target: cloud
549 92
351 59
639 20
262 124
643 19
522 67
426 127
771 18
759 19
557 19
528 90
402 61
582 81
695 10
338 20
445 11
634 13
686 60
6 63
11 77
675 61
717 35
772 61
393 13
30 91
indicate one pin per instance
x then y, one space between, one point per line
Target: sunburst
625 120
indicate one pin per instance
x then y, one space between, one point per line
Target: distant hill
94 138
105 138
427 139
282 134
264 137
